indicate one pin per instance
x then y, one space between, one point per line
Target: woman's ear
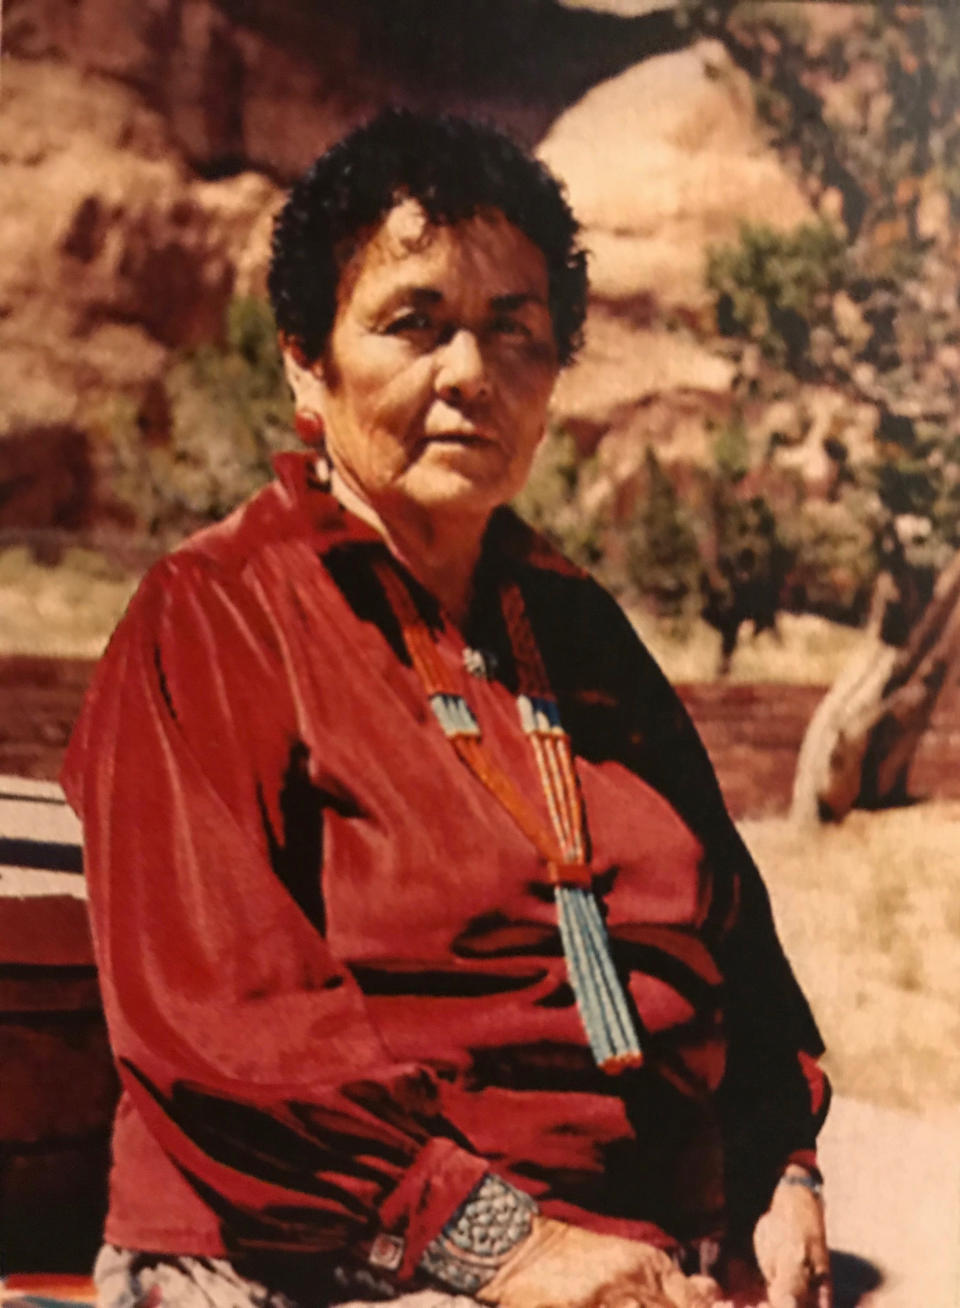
309 393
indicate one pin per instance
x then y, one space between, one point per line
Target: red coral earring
309 426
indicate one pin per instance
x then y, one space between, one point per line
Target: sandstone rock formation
141 146
114 254
269 83
660 162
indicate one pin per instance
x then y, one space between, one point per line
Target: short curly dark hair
453 168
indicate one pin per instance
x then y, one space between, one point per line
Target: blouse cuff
806 1158
433 1188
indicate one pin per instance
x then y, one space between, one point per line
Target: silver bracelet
808 1182
480 1236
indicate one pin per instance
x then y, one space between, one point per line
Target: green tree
746 562
663 556
775 287
550 501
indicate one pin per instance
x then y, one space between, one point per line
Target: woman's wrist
805 1159
807 1178
482 1235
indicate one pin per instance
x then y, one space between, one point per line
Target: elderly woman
430 955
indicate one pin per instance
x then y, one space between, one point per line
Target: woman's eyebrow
416 295
406 294
515 300
423 296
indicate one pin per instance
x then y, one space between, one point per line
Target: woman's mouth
466 438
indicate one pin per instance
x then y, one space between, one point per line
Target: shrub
744 579
776 286
551 500
663 557
227 411
833 558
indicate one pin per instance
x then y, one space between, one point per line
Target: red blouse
330 961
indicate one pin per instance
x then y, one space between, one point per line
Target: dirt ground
869 913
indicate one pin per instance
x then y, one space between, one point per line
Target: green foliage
919 49
833 557
734 543
663 557
746 563
731 451
944 470
870 119
789 17
251 334
115 423
700 15
905 486
227 411
775 286
549 501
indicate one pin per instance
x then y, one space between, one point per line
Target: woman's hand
562 1266
791 1246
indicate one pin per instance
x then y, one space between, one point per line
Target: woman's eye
411 322
506 325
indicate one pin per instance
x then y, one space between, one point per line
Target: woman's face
435 382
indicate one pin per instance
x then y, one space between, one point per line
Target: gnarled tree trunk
864 734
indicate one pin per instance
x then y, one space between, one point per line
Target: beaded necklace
599 993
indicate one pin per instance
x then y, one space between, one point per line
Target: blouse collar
335 527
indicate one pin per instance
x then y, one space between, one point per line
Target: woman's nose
462 372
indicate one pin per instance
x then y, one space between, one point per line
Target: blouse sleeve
243 1042
774 1095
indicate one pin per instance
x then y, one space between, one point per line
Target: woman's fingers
820 1279
791 1247
560 1266
781 1254
817 1267
691 1291
670 1289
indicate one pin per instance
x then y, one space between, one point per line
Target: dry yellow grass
72 607
804 649
64 611
869 913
